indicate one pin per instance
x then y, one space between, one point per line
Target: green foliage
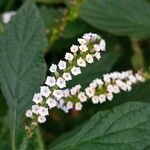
120 17
22 67
123 127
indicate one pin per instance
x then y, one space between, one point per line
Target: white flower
107 78
41 119
116 89
86 37
97 48
43 111
82 97
73 91
110 88
74 48
78 106
29 113
66 92
67 76
89 58
58 94
95 99
7 16
109 96
102 98
102 45
51 81
81 62
69 105
78 87
89 92
93 85
37 98
62 65
132 78
35 109
53 68
98 55
68 56
51 103
83 48
98 82
45 91
61 83
82 41
65 109
75 70
139 77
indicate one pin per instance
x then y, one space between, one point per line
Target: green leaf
121 17
22 66
97 69
121 128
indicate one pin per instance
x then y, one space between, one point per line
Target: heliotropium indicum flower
54 91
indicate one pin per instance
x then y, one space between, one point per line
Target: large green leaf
22 66
121 128
121 17
97 69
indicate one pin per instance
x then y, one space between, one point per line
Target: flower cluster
99 90
53 93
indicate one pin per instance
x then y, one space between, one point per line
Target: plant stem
13 132
137 58
39 139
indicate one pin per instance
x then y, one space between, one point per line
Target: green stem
39 139
137 58
13 132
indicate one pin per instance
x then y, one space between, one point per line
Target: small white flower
51 81
110 88
62 65
89 58
82 97
45 91
83 48
97 48
73 91
78 106
69 105
7 16
75 70
29 113
93 85
66 92
116 89
81 62
74 48
43 111
41 119
67 76
53 68
109 96
95 99
58 94
89 92
61 83
82 41
102 45
78 87
132 78
37 98
98 55
51 103
69 56
35 109
65 109
107 78
102 98
139 77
